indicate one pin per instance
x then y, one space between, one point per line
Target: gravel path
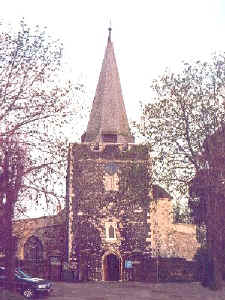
134 291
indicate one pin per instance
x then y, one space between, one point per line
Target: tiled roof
108 114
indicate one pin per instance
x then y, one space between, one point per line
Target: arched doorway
111 267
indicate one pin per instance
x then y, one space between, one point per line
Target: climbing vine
135 183
93 202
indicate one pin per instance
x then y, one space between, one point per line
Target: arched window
33 249
111 182
110 231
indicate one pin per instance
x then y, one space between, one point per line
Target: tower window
111 182
109 138
96 147
111 232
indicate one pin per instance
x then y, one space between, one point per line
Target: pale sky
148 36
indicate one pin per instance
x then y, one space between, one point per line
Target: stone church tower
108 187
116 224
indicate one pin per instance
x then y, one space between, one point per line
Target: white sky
148 36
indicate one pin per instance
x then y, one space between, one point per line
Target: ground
134 291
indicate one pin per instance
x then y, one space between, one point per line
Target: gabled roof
108 115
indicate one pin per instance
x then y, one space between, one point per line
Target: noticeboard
55 261
136 262
128 264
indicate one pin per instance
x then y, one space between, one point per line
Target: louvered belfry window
109 138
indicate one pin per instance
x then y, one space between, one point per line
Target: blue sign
128 264
111 168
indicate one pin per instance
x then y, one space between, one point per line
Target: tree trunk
10 244
214 243
217 274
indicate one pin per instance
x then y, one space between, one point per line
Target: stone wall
169 239
50 230
109 190
172 240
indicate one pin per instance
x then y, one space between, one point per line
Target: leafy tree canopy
187 108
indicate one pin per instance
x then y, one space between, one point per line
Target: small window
111 232
96 147
109 138
111 183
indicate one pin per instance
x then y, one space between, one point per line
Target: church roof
108 118
159 192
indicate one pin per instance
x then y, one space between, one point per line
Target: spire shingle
108 120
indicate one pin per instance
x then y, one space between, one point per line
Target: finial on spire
110 29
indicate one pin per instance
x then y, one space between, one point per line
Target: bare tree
13 160
35 104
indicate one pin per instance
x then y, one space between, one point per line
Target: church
115 221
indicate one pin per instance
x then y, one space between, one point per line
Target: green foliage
188 107
135 183
181 213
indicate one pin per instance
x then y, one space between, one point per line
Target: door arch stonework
33 249
112 266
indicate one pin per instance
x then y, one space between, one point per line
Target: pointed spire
108 119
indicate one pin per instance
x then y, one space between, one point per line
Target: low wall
164 270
